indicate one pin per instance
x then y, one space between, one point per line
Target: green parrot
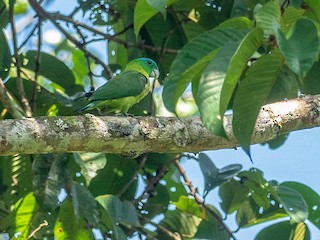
120 93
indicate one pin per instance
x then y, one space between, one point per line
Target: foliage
227 55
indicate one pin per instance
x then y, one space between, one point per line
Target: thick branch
132 136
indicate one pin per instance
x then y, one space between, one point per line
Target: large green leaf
284 231
5 56
293 202
53 69
213 176
196 54
146 9
189 205
267 15
311 197
238 63
23 215
299 55
84 204
4 14
210 87
252 94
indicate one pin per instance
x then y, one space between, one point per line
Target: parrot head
145 65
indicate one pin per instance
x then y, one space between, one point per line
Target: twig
20 86
193 193
43 14
154 180
28 37
106 36
37 67
41 225
175 236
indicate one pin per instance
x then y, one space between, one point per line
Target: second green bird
120 93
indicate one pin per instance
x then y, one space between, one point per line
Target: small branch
133 136
154 180
20 86
193 193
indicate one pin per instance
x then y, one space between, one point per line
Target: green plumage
120 93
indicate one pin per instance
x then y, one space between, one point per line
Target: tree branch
133 136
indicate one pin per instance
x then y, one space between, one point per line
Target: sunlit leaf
198 53
252 94
189 205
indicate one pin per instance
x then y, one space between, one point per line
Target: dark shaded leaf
5 55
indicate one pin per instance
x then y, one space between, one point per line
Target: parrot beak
155 74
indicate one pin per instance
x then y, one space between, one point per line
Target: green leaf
284 231
238 63
117 171
315 7
237 22
24 213
146 9
210 228
311 83
90 164
177 221
118 212
311 197
267 16
252 94
299 55
68 226
189 205
198 53
293 202
213 176
5 56
84 204
289 17
54 70
210 87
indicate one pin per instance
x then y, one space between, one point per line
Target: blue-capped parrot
120 93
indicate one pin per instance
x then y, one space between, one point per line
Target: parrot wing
128 83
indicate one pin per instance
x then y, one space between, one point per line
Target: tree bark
132 136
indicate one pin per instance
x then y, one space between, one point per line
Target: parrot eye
149 62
